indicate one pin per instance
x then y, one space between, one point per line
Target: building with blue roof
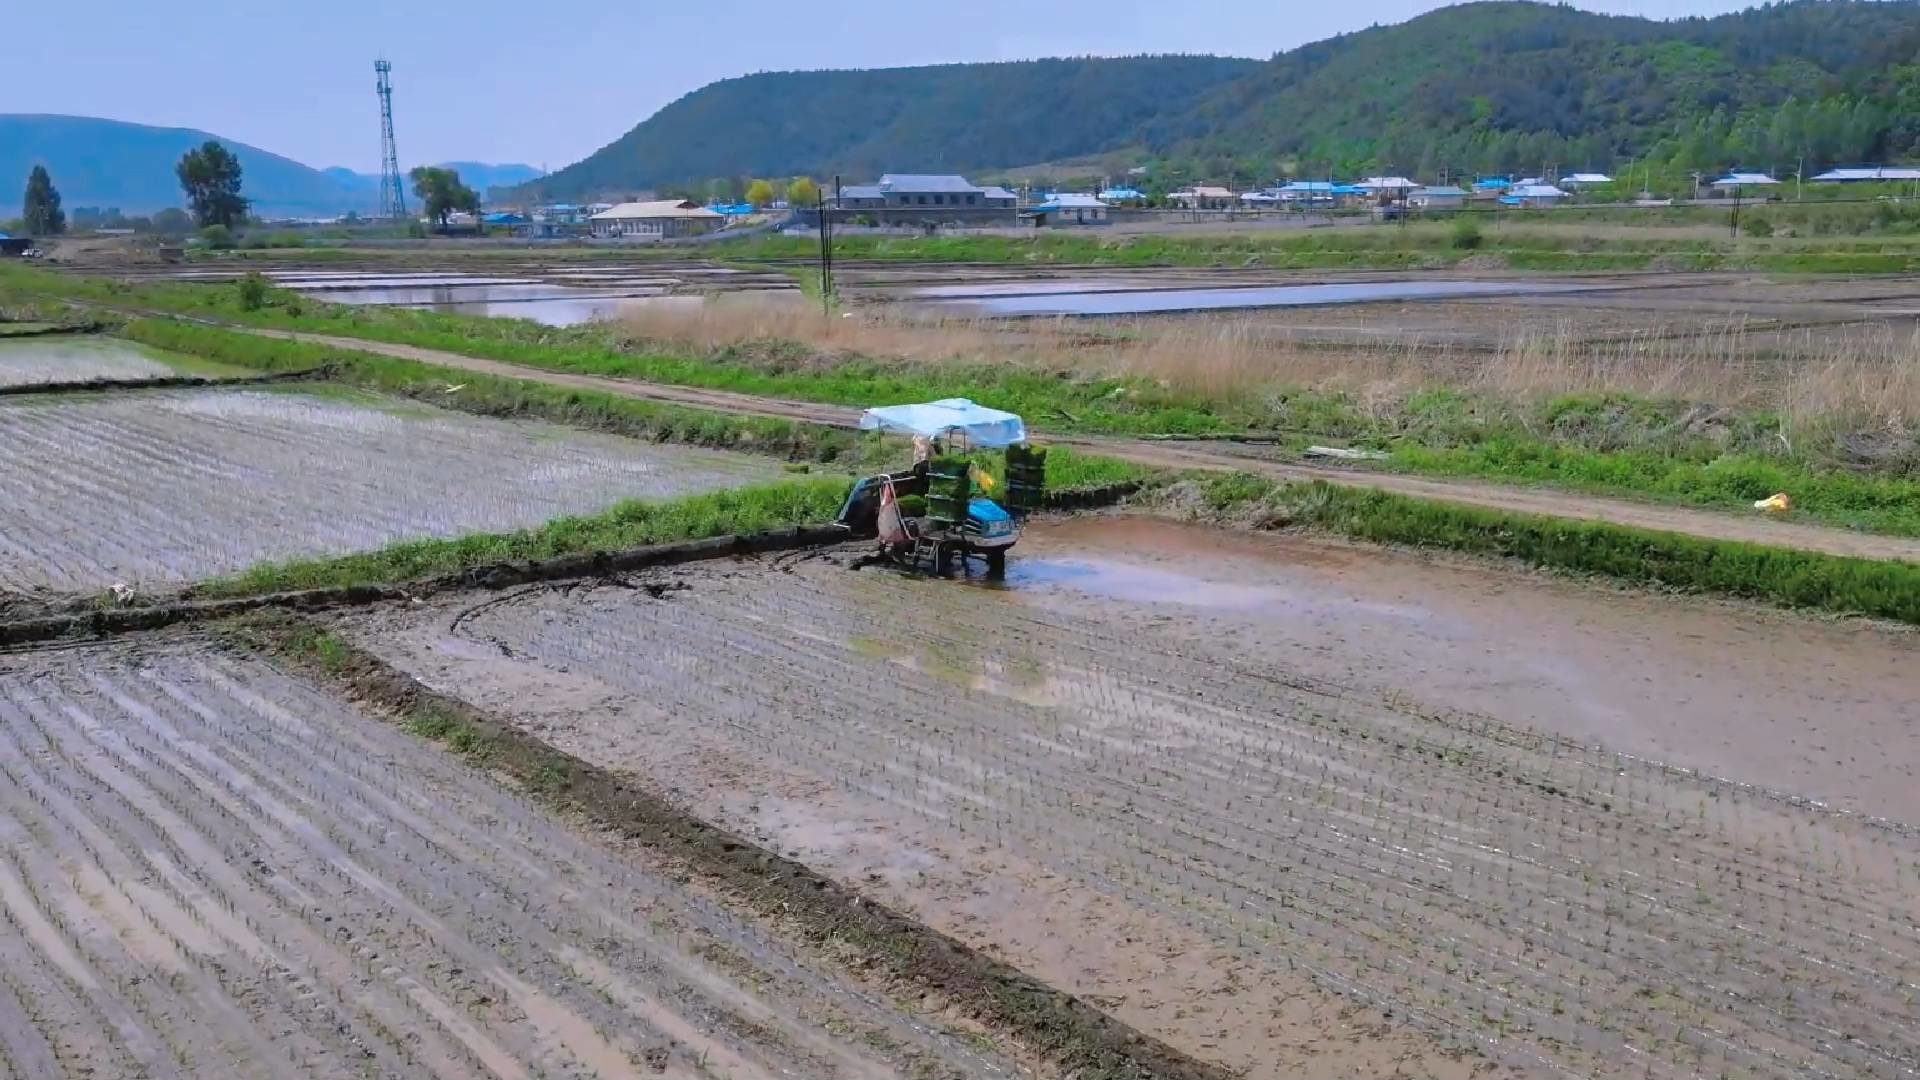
1070 209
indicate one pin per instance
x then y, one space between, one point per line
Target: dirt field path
208 868
1527 500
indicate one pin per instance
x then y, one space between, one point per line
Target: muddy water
1817 708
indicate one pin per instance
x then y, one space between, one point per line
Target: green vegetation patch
630 524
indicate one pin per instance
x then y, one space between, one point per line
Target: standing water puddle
1794 704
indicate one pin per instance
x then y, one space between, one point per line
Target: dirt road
1162 788
208 868
1542 501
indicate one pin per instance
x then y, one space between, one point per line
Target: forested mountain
1513 86
1483 87
949 118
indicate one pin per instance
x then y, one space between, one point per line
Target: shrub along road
1545 502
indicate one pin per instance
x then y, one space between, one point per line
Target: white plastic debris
1346 453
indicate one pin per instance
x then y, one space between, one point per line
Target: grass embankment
1534 243
628 525
1796 579
1598 443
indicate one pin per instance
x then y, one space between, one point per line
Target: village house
1070 209
922 199
666 219
1204 197
1437 198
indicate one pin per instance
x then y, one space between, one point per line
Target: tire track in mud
1567 909
212 869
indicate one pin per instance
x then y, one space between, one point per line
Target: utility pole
826 249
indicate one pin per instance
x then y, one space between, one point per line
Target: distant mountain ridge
1505 85
477 175
112 163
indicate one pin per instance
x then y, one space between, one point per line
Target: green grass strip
630 524
1783 576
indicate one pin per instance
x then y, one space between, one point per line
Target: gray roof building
929 194
925 183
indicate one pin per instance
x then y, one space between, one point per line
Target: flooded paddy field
212 869
159 488
562 298
81 358
557 292
1292 806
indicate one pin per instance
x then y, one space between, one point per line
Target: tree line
209 176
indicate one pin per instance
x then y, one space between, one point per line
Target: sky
511 81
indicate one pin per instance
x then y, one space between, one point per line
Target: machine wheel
997 563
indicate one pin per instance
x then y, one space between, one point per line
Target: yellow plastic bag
1775 504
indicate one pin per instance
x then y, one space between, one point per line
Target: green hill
949 118
1484 87
1518 86
108 163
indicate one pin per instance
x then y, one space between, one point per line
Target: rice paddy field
211 869
81 358
167 487
1223 794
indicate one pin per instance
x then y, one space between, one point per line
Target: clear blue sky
549 83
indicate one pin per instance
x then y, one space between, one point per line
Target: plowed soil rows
172 487
1216 846
209 869
33 361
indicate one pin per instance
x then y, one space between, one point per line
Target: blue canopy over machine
980 426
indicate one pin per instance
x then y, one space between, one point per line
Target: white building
1740 181
1869 174
1585 179
1204 197
665 219
1071 209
